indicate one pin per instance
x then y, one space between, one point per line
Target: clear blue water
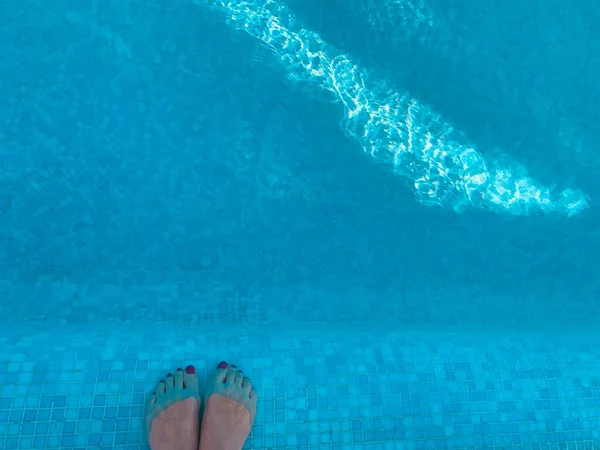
407 188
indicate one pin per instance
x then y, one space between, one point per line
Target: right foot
229 412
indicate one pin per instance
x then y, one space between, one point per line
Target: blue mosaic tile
107 155
336 389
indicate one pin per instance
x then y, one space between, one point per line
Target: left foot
173 412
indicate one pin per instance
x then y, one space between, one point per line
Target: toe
169 380
239 378
247 385
178 379
221 375
191 380
230 377
161 388
253 396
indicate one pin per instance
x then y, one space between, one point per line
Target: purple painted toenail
222 365
179 369
169 375
190 370
233 367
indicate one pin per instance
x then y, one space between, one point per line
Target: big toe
191 380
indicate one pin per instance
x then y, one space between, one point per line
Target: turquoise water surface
382 211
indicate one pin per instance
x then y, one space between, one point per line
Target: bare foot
229 412
173 412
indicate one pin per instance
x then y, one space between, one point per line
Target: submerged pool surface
382 211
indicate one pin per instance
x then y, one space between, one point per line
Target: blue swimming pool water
383 211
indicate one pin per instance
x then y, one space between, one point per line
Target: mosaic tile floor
85 387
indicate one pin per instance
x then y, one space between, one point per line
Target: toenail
222 365
190 370
169 375
179 369
233 367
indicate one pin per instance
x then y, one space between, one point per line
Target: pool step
320 387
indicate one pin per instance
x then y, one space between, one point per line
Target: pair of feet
173 412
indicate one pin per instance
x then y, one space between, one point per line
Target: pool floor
342 387
146 148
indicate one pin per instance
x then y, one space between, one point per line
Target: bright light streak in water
394 127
